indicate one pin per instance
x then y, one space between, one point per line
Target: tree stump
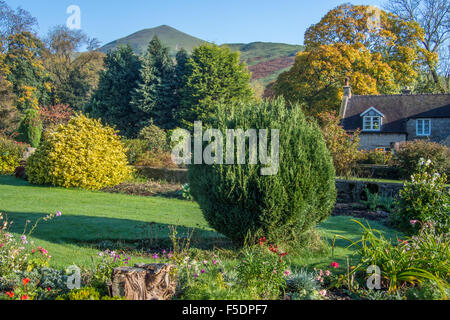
143 282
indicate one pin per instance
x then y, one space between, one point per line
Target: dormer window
372 120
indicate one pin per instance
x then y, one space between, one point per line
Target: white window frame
423 133
371 119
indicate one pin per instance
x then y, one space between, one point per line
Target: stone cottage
387 120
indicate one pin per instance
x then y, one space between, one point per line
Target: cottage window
372 123
423 127
372 120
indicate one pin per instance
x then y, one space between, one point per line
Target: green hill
172 38
266 60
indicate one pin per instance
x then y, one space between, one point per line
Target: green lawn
91 217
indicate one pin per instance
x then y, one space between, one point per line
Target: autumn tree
75 75
378 51
343 146
434 18
8 111
23 51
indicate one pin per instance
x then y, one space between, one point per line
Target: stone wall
370 141
440 130
354 190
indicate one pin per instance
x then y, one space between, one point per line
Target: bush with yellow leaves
81 154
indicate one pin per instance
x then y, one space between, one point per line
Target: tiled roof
397 109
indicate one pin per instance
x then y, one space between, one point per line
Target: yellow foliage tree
343 146
378 51
82 154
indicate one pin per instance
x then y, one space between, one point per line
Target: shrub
409 154
342 145
411 261
376 157
239 202
140 154
30 128
55 115
303 285
11 153
263 271
86 293
155 138
375 200
83 153
425 198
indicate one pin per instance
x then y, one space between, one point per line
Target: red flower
49 289
335 265
25 281
10 294
24 297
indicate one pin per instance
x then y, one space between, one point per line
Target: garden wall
354 190
348 190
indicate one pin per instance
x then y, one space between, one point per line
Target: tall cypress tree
155 95
112 99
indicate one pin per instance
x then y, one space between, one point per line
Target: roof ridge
400 95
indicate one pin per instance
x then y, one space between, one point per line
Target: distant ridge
266 60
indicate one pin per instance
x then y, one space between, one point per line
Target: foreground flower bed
412 268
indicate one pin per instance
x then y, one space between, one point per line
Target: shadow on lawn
112 233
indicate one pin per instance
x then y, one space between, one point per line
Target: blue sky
218 21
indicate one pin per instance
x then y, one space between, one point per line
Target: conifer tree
112 99
154 95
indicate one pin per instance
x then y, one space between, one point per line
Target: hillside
172 38
266 60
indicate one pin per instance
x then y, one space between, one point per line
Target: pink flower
287 272
328 273
335 265
413 222
323 293
202 271
214 262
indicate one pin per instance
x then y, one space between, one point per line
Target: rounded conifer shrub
82 153
241 203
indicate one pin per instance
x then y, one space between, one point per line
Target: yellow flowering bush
83 153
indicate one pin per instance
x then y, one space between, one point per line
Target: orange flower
25 281
10 294
24 297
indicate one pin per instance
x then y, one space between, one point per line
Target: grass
371 180
89 218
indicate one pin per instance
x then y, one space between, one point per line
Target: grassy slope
172 38
264 50
92 216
